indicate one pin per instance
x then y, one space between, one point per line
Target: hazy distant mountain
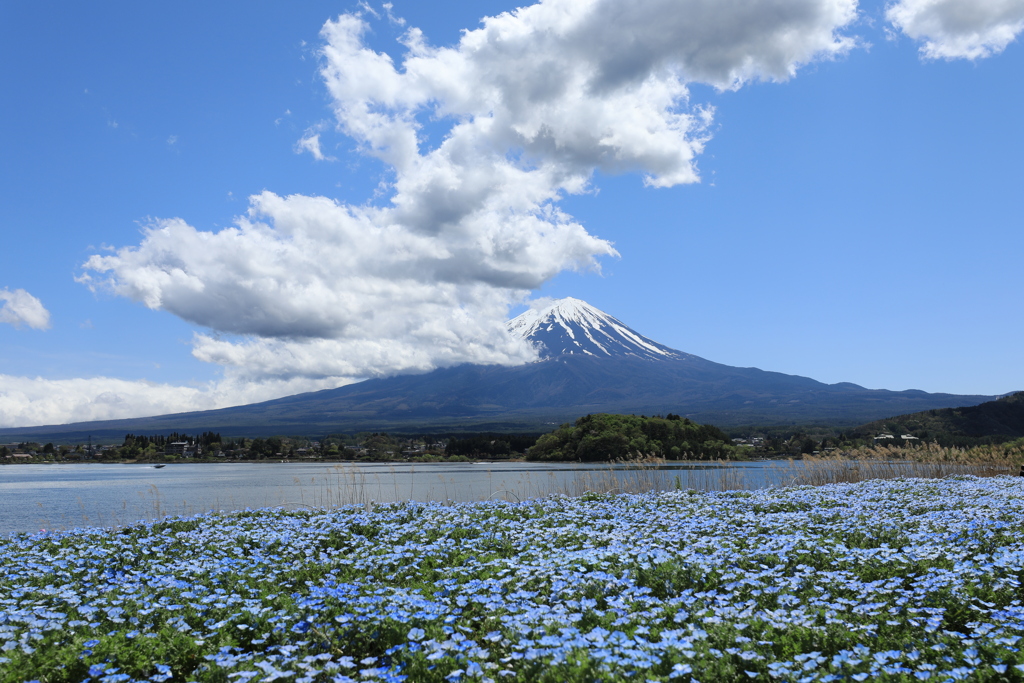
589 362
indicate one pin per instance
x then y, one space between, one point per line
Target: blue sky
856 220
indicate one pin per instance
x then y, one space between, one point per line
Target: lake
65 496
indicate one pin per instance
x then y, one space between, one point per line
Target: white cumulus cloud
21 308
952 29
529 106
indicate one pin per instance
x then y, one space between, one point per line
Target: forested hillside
602 436
991 422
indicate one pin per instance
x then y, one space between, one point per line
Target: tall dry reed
928 461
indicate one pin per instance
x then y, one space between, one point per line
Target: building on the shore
181 448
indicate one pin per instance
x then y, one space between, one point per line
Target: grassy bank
888 580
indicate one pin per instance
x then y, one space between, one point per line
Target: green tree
620 437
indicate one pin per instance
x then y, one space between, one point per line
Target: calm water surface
64 496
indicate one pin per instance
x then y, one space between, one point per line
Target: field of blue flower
898 580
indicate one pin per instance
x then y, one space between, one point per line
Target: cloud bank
529 105
954 29
21 308
32 401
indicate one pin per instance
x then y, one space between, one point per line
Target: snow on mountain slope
571 326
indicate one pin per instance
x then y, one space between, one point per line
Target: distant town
210 447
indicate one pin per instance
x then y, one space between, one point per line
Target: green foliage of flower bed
899 580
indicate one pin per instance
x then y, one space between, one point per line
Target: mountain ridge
588 362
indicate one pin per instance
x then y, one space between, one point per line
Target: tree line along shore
592 438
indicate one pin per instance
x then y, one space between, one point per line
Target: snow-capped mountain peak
572 326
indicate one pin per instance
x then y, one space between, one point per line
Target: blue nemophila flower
163 673
115 678
627 584
681 669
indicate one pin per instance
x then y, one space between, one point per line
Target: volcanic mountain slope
588 362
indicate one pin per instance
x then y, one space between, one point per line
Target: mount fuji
587 362
570 326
